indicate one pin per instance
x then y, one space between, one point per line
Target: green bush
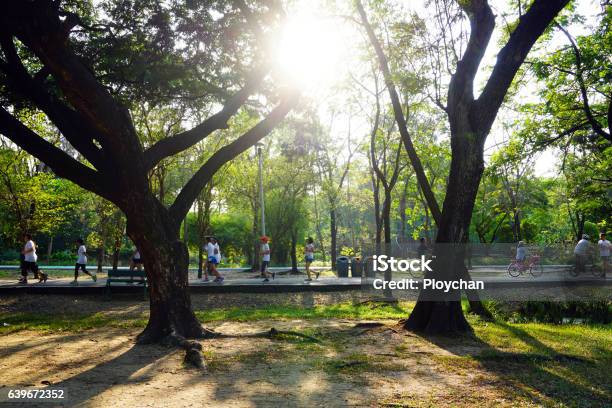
67 257
552 312
9 255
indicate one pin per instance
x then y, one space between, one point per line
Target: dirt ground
351 366
103 368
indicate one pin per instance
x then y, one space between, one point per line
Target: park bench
125 276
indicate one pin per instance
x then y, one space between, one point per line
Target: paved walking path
238 281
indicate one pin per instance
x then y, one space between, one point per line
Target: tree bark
166 263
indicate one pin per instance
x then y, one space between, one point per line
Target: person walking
264 251
309 258
581 252
81 263
212 261
605 247
29 261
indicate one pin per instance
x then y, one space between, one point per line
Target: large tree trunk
436 312
166 262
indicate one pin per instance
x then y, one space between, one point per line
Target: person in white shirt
521 252
309 258
81 262
264 251
212 251
217 250
136 261
605 247
581 252
29 261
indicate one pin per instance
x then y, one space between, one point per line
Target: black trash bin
368 265
342 266
356 267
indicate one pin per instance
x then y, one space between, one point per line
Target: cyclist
581 252
521 253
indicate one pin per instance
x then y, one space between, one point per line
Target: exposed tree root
271 334
368 325
193 349
374 326
379 301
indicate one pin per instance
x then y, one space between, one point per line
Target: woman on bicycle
521 252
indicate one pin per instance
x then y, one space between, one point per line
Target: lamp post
261 189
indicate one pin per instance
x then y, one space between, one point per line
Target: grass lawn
498 364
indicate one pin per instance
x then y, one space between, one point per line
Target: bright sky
318 51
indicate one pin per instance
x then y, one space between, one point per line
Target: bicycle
591 266
532 264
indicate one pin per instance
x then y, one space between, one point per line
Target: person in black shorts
137 261
29 259
81 262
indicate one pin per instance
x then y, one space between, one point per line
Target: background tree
470 121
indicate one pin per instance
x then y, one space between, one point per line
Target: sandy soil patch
351 367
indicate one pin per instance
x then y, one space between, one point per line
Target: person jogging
309 258
217 250
81 263
212 262
29 261
136 262
264 251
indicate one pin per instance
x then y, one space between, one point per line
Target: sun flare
309 52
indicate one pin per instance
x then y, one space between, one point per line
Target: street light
259 146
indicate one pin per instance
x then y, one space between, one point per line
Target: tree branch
38 26
69 122
482 23
179 142
62 164
189 193
583 90
530 27
399 116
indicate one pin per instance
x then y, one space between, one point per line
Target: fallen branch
376 301
270 334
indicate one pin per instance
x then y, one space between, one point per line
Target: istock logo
382 263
